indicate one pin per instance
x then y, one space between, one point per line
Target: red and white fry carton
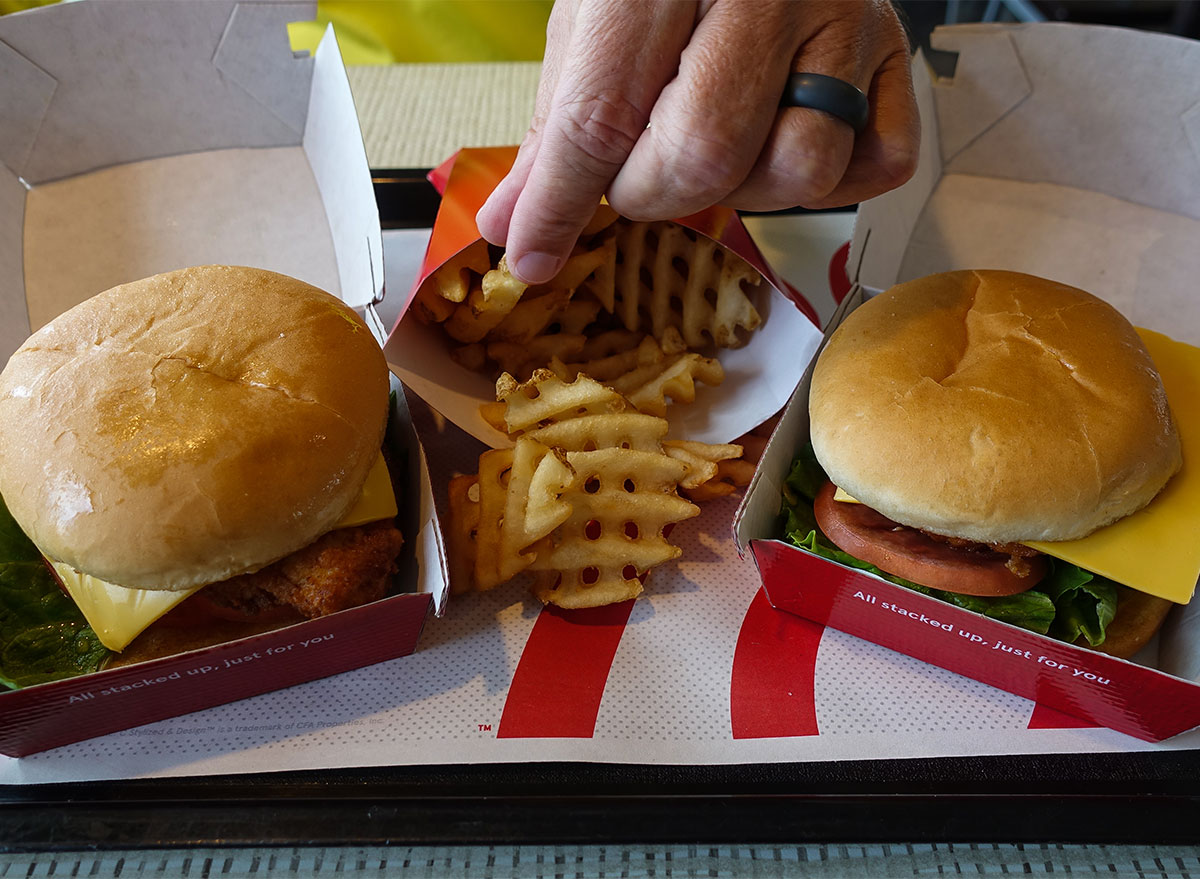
759 376
139 138
1073 153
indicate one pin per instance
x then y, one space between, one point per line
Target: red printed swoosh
560 677
839 281
771 693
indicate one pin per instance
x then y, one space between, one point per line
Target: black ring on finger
829 94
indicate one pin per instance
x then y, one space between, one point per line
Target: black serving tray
1138 798
1132 798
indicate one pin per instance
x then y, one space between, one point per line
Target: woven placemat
416 115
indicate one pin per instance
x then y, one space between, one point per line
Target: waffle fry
451 282
580 265
648 387
521 359
611 342
648 375
624 282
490 569
633 430
453 279
615 532
578 315
701 459
430 307
668 276
730 476
463 493
493 414
486 305
530 317
538 478
546 398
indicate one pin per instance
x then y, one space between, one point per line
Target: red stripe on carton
1133 699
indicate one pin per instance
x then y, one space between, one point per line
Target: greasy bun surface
191 426
993 406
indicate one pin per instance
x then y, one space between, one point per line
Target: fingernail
536 267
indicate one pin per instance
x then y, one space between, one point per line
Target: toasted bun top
191 426
993 406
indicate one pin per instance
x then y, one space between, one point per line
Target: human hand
671 106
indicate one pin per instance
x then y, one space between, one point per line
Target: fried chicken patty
344 568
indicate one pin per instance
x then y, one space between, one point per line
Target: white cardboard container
759 375
1067 151
137 138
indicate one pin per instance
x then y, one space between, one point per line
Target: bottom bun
1138 617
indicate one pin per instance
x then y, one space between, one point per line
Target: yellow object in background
7 6
390 31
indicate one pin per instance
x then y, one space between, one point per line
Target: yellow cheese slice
1157 549
118 614
839 495
375 502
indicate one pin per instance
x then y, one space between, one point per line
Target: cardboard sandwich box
1073 153
140 138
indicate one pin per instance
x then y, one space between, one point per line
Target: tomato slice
910 553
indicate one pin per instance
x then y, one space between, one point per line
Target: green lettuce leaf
1086 602
14 545
43 636
1068 604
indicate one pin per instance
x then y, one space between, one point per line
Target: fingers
812 159
671 107
717 134
493 218
595 115
885 154
711 122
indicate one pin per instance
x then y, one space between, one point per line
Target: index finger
621 56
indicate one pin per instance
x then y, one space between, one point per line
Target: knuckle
897 164
602 128
807 177
699 166
709 172
551 224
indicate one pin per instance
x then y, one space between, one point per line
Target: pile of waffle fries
585 368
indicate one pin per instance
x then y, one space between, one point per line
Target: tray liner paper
699 670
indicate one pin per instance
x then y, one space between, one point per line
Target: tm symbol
485 727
